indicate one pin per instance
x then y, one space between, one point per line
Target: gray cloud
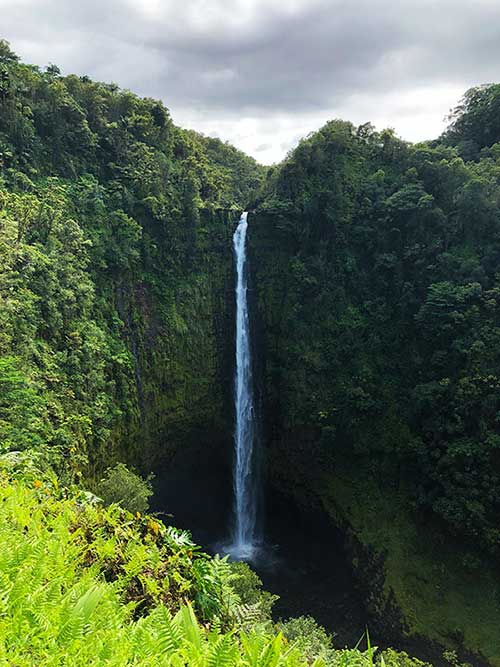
253 70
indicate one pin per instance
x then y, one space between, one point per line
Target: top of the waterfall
244 216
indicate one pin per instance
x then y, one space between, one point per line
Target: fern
222 653
247 616
187 622
56 608
78 617
170 635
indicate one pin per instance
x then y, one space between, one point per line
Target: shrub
310 637
126 488
256 603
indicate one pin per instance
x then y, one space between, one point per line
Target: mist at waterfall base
303 560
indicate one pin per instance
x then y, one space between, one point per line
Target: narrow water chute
244 537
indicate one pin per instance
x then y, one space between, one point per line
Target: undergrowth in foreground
82 584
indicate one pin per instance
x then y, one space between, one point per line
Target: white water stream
244 537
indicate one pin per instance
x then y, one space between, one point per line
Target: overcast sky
263 73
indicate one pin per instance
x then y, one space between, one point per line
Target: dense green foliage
111 221
311 637
378 294
475 122
87 585
124 487
377 267
258 603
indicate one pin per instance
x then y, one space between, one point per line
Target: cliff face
180 339
340 372
376 310
377 294
102 362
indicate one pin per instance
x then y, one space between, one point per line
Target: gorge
369 268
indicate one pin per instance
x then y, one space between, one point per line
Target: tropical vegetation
376 295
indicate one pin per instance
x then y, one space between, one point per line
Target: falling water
245 492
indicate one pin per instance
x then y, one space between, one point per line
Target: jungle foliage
377 268
377 282
87 585
111 222
126 488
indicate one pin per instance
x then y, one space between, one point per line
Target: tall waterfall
245 482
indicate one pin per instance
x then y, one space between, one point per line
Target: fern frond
170 635
222 653
188 624
78 617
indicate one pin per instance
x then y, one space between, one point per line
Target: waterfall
245 483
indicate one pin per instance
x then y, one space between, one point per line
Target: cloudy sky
263 73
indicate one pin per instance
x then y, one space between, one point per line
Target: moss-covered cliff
181 343
376 311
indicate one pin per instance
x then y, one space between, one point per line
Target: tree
126 488
7 56
53 70
475 121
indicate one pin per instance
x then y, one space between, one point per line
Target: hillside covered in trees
377 270
113 261
376 307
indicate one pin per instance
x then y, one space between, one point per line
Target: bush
248 587
96 586
126 488
310 637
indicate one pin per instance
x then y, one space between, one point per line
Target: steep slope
116 265
87 585
375 267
